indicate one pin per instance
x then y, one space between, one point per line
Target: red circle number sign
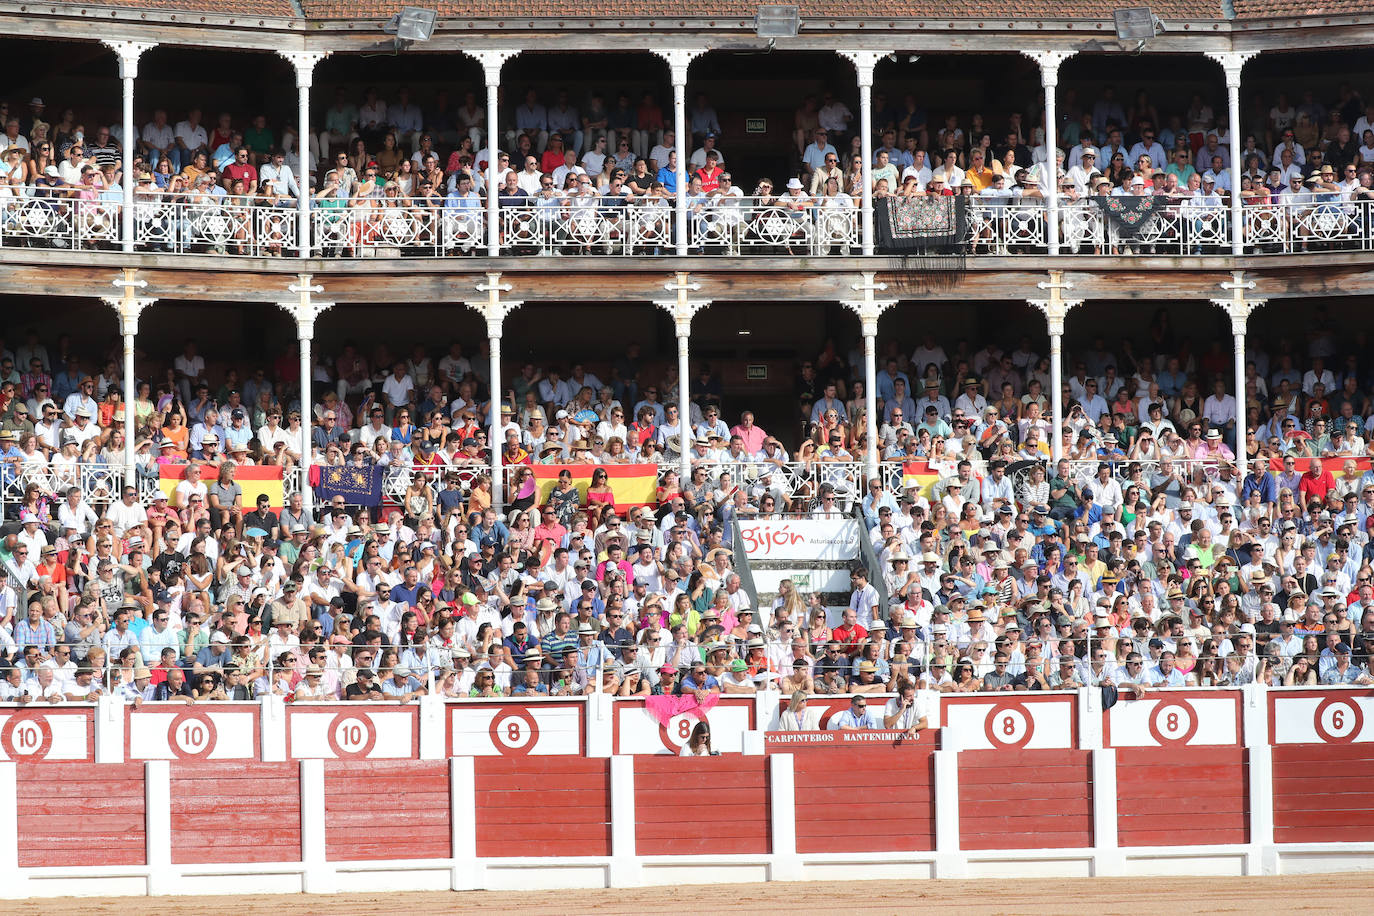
677 732
26 737
514 732
1338 720
1009 725
192 735
1173 721
351 735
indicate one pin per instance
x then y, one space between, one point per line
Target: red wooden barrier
1025 799
871 799
1322 793
699 805
79 814
260 803
1182 796
543 806
413 823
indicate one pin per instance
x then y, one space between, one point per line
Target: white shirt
914 713
953 176
192 137
158 137
126 517
922 174
1219 410
862 602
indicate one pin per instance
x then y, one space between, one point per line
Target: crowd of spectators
594 156
1142 559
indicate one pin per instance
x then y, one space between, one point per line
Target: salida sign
801 539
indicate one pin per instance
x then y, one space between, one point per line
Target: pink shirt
753 437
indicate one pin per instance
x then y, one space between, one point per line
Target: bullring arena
635 457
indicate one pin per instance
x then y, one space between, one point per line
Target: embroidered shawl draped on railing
921 225
1131 215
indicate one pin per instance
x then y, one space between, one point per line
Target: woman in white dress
699 744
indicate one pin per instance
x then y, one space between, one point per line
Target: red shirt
550 161
850 637
1316 486
235 171
710 178
641 434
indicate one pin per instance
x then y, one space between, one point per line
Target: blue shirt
517 650
1263 484
689 683
886 386
847 719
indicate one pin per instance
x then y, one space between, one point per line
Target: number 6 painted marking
1338 720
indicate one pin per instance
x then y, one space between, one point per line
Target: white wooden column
679 59
495 309
467 873
1232 62
864 62
1239 308
1262 858
950 862
157 825
624 866
304 62
305 309
129 306
1108 860
869 311
129 52
492 60
1049 61
1056 309
683 310
318 875
9 827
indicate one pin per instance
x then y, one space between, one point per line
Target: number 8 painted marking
1009 725
514 732
1173 721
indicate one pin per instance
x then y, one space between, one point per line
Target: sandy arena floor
1097 897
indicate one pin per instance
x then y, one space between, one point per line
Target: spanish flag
255 480
632 484
1335 465
919 474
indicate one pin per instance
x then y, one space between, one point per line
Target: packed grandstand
1141 558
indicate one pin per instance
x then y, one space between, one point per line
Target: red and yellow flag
1335 465
255 480
632 484
919 474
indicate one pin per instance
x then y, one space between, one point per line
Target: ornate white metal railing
99 483
1179 229
790 225
717 226
59 222
206 224
794 484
